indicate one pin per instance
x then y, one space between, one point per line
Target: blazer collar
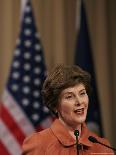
61 133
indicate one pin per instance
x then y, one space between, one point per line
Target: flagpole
23 4
78 6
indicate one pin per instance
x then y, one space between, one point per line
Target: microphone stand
94 140
107 146
76 133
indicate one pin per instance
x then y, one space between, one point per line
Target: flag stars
36 105
37 82
27 43
36 93
37 58
26 90
37 70
35 117
45 109
37 47
27 55
17 52
14 87
16 64
26 79
27 32
25 102
28 20
37 35
15 75
27 66
27 72
28 9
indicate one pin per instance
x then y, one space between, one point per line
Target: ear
56 111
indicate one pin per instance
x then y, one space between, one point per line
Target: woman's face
73 105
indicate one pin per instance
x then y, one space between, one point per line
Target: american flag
22 111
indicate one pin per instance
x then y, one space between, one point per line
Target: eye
83 93
69 96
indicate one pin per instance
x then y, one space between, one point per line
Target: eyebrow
83 89
69 92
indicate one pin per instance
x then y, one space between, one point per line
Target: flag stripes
9 121
3 149
8 140
16 112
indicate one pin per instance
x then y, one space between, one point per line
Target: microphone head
92 139
76 133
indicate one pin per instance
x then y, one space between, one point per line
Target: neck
72 128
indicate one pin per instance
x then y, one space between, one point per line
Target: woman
65 93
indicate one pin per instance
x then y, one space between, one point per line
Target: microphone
94 140
76 133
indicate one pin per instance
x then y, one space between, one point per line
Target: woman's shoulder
35 141
38 136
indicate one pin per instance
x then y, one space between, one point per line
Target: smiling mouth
79 111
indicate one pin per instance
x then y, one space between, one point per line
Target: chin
81 120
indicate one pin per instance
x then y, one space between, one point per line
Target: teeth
79 110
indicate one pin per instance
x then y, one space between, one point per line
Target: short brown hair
60 78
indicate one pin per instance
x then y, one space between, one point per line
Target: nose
78 101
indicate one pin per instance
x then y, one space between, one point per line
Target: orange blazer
57 141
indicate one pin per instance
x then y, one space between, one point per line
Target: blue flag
84 59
